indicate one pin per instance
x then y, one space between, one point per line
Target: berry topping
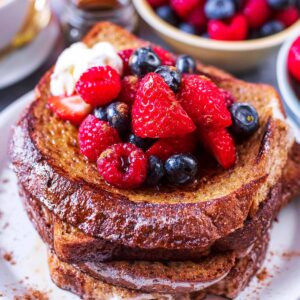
143 61
125 55
100 113
167 14
256 12
156 113
219 9
71 108
171 77
140 142
229 98
118 116
221 144
164 148
95 136
197 18
186 64
294 59
235 29
99 85
271 27
156 3
123 165
288 16
129 88
156 171
204 102
279 4
188 28
166 58
181 168
183 7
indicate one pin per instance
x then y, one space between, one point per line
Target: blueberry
279 4
140 142
100 113
245 119
188 28
298 3
167 14
186 64
118 116
143 61
271 27
181 168
219 9
171 76
205 35
156 170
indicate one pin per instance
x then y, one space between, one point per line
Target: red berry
221 144
229 98
71 108
125 55
123 165
167 58
236 29
164 148
95 136
197 18
129 89
204 102
99 85
183 7
156 113
256 12
156 3
294 59
288 16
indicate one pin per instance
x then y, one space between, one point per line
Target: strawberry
166 57
95 136
204 102
293 62
156 113
129 89
99 85
70 108
125 55
164 148
221 144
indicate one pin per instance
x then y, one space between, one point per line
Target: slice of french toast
46 158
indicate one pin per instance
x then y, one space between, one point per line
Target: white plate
26 60
29 254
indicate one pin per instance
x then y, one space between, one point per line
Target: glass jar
78 21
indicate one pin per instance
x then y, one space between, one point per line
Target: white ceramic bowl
289 95
12 16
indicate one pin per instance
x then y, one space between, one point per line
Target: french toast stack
170 243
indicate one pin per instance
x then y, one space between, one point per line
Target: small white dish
288 93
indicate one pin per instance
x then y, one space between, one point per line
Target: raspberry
99 85
166 58
236 29
256 12
183 7
294 59
156 113
156 3
129 89
125 55
197 18
123 165
204 102
164 148
221 144
288 16
95 136
228 97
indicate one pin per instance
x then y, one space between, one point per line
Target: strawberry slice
71 108
221 144
164 148
156 113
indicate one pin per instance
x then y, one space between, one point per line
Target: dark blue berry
140 142
271 27
239 4
279 4
118 116
205 35
298 3
181 168
245 120
171 76
156 170
143 61
186 64
100 113
167 14
188 28
219 9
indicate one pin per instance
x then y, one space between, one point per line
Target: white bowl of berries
288 75
236 35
